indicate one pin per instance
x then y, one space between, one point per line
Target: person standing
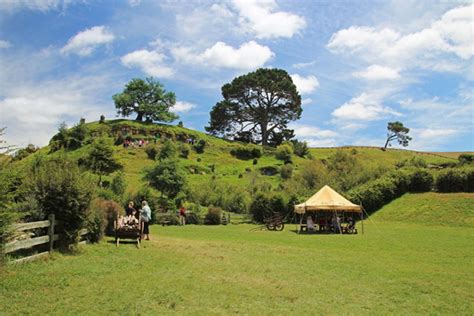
182 216
145 214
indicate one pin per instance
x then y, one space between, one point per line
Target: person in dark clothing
129 210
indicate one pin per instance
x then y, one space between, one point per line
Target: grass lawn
394 268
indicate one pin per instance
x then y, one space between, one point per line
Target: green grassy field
394 268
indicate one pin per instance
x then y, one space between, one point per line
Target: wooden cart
128 232
274 222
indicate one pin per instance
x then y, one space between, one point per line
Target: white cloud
5 44
365 107
304 65
183 107
451 34
85 42
314 136
150 62
306 101
205 22
377 72
134 3
436 133
305 85
248 56
33 111
261 18
40 5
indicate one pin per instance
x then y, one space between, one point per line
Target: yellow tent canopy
327 199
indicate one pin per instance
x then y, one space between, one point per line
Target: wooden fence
48 239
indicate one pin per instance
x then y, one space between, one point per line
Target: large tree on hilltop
257 107
148 99
396 130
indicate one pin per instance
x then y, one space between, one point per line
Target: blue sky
357 65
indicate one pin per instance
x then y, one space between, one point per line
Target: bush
420 181
455 181
236 200
246 153
466 158
265 205
118 185
120 139
255 161
167 151
414 161
184 151
60 188
300 148
269 170
213 216
170 218
200 146
101 218
284 152
151 151
25 152
286 172
192 218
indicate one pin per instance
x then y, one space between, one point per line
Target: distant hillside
445 209
216 161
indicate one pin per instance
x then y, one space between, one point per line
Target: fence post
51 232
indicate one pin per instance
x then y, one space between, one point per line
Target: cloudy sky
357 64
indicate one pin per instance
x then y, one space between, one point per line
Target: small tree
166 178
118 185
397 131
148 99
167 151
101 159
60 188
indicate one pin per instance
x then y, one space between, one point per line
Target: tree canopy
396 130
257 107
166 177
101 159
148 99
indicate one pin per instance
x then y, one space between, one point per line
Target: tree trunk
263 128
386 144
139 117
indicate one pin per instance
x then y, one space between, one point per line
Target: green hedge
455 180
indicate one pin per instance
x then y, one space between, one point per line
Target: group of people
132 218
332 225
135 143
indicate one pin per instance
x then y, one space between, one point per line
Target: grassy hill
449 209
216 162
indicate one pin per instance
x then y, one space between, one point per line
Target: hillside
448 209
216 162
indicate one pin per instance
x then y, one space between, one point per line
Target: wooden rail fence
48 239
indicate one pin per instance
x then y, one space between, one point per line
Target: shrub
269 170
25 152
199 146
300 148
284 152
466 158
414 161
184 151
151 151
236 200
420 181
286 172
255 161
455 181
167 151
246 153
213 216
60 188
192 218
118 185
120 139
166 177
170 218
101 218
264 205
